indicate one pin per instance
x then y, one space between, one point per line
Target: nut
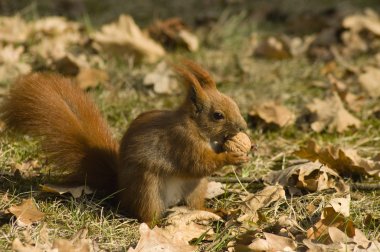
238 143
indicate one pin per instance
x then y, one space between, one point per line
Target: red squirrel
164 156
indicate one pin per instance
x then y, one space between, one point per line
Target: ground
227 31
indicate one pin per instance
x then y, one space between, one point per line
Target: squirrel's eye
218 116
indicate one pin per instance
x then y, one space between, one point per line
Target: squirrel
163 158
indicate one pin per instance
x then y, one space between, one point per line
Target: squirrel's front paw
236 158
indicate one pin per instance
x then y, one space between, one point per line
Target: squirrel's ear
203 77
195 93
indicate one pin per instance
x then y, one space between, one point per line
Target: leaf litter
345 162
51 40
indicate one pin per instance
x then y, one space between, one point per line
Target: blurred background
194 12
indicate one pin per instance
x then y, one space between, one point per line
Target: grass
225 51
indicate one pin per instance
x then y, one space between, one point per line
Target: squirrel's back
75 137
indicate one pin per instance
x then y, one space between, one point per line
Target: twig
343 62
365 186
235 180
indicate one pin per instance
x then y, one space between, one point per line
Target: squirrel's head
216 115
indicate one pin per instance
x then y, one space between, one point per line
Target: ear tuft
201 74
196 95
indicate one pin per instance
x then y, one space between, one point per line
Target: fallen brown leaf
344 161
54 36
11 63
331 115
183 224
28 169
263 198
162 79
76 191
271 113
173 33
55 26
297 45
333 215
26 213
78 243
369 20
272 48
153 240
340 240
70 64
309 176
319 247
89 77
370 81
357 29
214 189
13 29
273 243
124 37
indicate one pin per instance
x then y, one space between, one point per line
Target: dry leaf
76 191
341 206
4 198
354 102
358 27
152 240
368 21
78 243
214 189
370 81
28 169
331 114
263 198
339 240
50 49
345 162
11 63
272 48
190 40
89 77
333 215
26 213
319 247
56 26
298 46
259 245
173 33
71 64
13 29
183 224
54 36
163 79
280 243
272 243
124 37
272 113
309 176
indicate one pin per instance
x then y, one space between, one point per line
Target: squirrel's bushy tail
75 137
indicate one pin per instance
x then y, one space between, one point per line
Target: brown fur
164 155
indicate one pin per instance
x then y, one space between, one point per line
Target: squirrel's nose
242 126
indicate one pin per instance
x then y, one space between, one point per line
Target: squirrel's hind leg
143 200
196 198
